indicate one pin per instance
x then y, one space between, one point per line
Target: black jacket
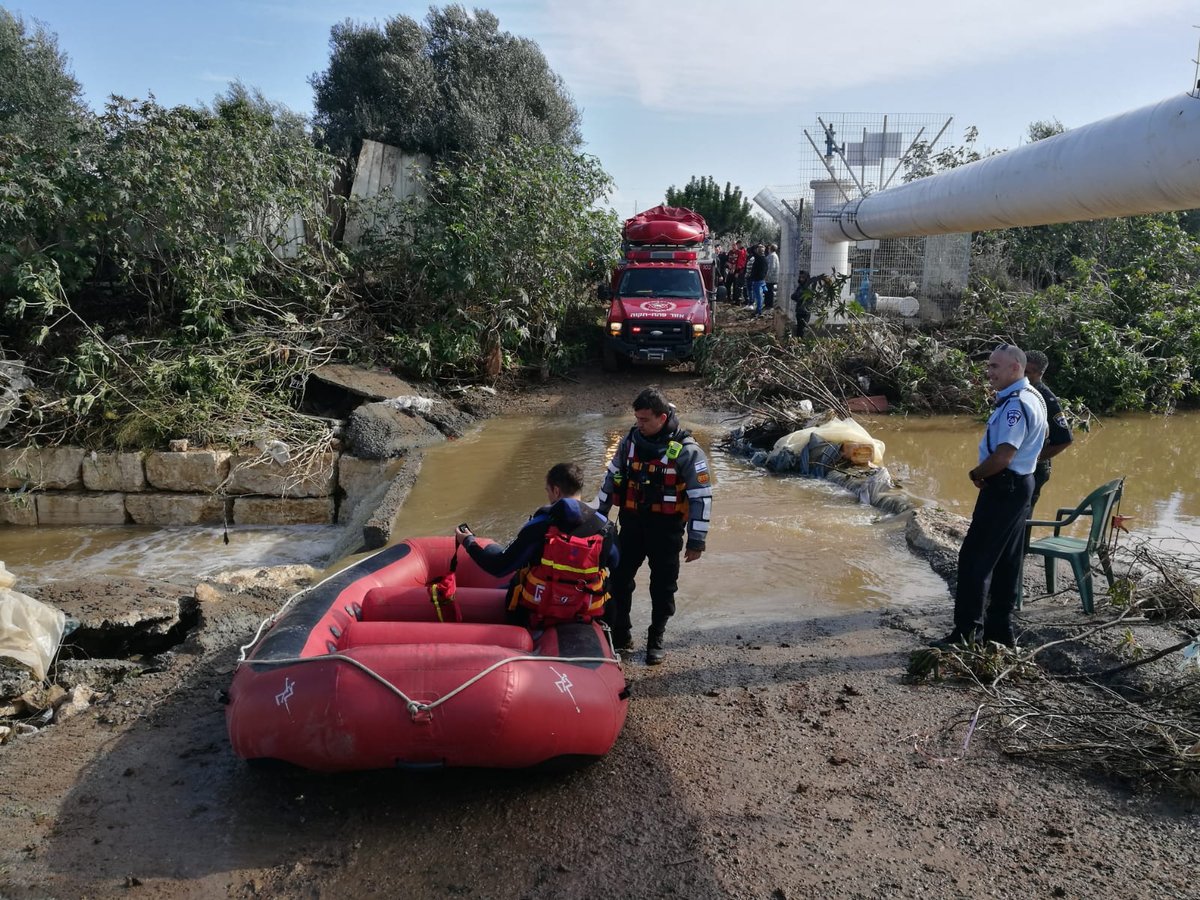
525 549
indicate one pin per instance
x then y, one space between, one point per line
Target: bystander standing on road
757 278
720 260
772 276
802 298
739 274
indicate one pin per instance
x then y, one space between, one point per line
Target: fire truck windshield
683 283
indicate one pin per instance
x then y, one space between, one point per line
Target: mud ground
771 761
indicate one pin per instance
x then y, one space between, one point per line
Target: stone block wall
64 486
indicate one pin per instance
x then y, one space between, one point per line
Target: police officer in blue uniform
1058 436
989 563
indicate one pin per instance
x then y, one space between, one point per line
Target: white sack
30 631
835 431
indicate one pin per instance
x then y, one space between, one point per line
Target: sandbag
30 631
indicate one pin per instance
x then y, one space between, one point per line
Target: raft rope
414 707
274 617
269 620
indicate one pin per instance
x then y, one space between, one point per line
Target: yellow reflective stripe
553 565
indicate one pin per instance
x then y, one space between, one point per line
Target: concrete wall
63 486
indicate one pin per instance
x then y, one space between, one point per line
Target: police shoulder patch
1013 417
702 478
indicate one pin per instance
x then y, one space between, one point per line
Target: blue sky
674 89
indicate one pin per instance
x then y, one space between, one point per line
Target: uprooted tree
172 272
145 274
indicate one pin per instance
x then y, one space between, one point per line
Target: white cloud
685 57
218 78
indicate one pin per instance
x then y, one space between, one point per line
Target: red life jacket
568 583
653 485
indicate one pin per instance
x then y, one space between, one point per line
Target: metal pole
828 168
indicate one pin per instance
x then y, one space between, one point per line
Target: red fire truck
661 292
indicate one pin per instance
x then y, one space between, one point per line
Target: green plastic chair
1099 505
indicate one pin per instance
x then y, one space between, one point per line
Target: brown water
1156 454
40 555
779 545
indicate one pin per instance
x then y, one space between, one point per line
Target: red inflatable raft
666 225
359 673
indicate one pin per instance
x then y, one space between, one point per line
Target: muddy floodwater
184 555
1156 454
779 545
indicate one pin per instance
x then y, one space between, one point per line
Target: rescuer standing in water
660 482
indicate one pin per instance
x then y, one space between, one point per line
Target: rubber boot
957 639
1001 635
623 643
655 653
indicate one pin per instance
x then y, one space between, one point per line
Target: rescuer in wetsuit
659 480
564 552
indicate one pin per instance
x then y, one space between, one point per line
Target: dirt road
772 761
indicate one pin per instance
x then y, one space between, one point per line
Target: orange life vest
568 583
653 485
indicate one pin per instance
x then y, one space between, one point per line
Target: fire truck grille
659 334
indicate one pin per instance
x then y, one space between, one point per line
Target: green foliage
453 84
1189 221
146 272
1113 304
39 97
761 231
223 188
44 194
920 161
1118 337
45 133
243 103
931 375
915 371
1050 254
500 261
823 295
727 212
975 663
1044 128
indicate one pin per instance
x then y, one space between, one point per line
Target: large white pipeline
1146 160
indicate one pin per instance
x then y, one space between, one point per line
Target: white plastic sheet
835 431
30 631
414 402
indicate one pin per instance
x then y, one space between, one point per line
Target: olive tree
455 83
39 97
